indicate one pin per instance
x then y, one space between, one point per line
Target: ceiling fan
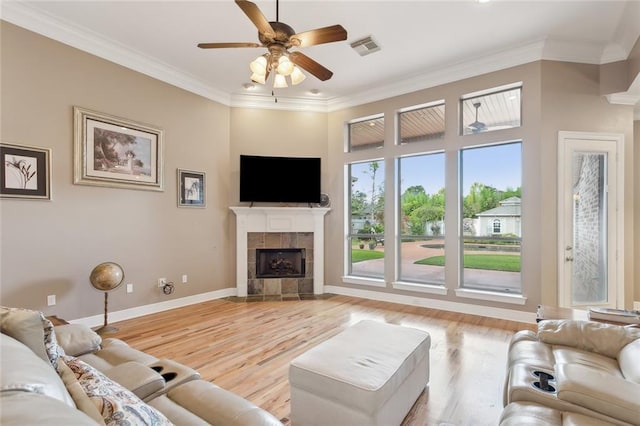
477 126
278 38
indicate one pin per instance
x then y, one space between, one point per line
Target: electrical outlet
184 279
161 282
636 306
129 288
51 300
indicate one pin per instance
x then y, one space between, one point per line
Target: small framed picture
191 188
25 172
116 152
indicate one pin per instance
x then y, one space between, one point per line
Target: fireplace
280 263
278 228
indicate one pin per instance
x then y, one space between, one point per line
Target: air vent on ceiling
365 46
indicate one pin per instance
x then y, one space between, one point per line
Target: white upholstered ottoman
369 374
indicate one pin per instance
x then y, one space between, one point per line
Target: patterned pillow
51 347
118 406
32 329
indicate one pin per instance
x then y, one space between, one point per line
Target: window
491 246
422 209
422 124
366 134
493 111
366 236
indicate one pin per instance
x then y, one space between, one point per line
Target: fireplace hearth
280 263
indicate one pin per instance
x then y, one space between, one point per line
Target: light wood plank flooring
246 347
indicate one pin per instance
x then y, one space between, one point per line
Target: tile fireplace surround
282 224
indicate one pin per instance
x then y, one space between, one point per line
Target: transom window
491 111
422 124
366 134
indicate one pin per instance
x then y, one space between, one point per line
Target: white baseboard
485 311
138 311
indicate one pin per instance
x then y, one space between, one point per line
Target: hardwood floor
246 347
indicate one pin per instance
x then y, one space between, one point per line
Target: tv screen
279 179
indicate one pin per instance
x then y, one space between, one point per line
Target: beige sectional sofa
69 375
572 370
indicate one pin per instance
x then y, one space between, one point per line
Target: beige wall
529 133
571 101
276 133
556 96
51 247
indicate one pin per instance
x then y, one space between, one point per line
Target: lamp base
107 329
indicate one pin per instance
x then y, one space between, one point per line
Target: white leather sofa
593 370
69 375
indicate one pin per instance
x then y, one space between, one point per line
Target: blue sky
498 166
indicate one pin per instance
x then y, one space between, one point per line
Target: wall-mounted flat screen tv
279 179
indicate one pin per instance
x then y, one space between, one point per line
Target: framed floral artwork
25 172
191 188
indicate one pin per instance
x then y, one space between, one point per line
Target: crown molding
33 19
36 20
446 74
262 101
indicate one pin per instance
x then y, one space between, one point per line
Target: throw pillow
77 339
25 326
118 406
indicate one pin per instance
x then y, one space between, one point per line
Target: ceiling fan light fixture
259 65
258 78
285 66
280 82
297 76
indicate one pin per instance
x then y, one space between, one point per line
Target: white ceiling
423 43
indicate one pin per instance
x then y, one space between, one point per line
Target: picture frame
116 152
25 172
192 189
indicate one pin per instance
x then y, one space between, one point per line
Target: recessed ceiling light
483 1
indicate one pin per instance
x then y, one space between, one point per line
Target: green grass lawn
494 262
358 255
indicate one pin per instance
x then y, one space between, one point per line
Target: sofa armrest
138 378
77 339
598 391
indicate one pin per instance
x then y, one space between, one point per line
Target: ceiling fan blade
319 36
253 12
308 64
225 45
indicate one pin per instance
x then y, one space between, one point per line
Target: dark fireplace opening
280 263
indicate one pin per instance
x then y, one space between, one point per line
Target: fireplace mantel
279 219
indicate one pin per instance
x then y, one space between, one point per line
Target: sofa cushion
116 404
599 391
115 352
605 339
21 369
25 326
628 359
27 408
199 402
77 339
567 355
